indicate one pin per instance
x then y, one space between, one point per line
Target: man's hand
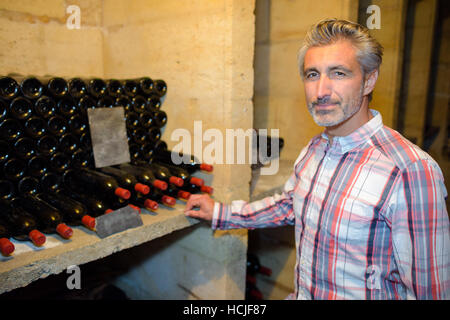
200 206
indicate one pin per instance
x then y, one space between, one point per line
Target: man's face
333 83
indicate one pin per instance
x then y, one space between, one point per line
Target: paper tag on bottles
117 221
108 136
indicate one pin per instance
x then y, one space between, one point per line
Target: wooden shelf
31 264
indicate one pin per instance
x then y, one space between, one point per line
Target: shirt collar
359 136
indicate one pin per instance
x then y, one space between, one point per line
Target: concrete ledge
85 246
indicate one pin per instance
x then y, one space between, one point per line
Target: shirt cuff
220 216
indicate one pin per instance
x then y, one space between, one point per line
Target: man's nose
323 87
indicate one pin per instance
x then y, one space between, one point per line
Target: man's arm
268 212
420 231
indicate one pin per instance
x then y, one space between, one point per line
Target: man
367 204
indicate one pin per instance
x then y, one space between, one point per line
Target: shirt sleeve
269 212
420 231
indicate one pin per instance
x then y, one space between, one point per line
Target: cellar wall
204 51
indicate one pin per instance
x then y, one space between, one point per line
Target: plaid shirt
369 214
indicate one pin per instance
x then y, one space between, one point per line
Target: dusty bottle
125 102
22 224
144 175
28 185
130 87
153 102
38 166
66 106
35 127
14 169
143 201
175 192
45 107
188 162
7 190
159 118
95 206
57 87
6 246
47 145
158 196
74 213
95 182
49 219
21 108
57 125
162 173
183 174
10 130
77 88
160 87
125 179
60 162
139 104
145 85
114 88
31 88
9 88
25 148
96 87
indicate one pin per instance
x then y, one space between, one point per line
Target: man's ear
369 82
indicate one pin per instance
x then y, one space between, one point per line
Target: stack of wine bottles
48 179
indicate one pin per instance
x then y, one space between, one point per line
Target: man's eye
311 75
339 74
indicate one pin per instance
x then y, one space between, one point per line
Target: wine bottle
68 143
10 129
158 196
114 88
25 148
28 185
159 118
6 246
144 175
139 135
146 119
254 266
160 145
57 125
45 107
125 179
86 102
105 102
50 182
192 188
81 159
35 127
77 124
132 120
95 206
74 213
77 88
60 162
146 151
145 85
38 166
123 101
189 162
117 203
7 190
14 169
4 107
22 224
143 201
153 135
5 151
153 102
98 183
162 173
135 151
49 218
139 104
175 192
21 108
130 87
9 88
66 106
47 145
31 88
160 87
58 87
96 87
183 174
